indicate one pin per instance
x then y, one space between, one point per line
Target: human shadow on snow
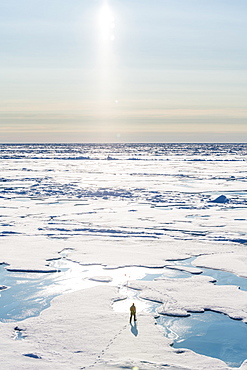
134 329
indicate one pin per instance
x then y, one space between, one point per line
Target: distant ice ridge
158 151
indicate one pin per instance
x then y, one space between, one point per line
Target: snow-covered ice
88 229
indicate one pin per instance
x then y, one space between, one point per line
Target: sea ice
120 219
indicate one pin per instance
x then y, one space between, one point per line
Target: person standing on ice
132 312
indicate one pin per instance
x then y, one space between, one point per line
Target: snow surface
116 220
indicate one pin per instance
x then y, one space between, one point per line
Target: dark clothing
132 315
132 312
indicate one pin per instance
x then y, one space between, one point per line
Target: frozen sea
162 225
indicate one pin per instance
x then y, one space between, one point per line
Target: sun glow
108 78
106 58
106 23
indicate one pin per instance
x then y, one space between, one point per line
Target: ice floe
125 229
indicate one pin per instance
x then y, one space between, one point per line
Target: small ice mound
221 199
101 279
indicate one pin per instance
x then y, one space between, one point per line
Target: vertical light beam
106 24
106 61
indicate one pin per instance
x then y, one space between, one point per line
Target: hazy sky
123 71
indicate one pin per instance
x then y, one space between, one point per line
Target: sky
123 71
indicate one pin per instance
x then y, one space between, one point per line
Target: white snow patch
231 262
101 279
